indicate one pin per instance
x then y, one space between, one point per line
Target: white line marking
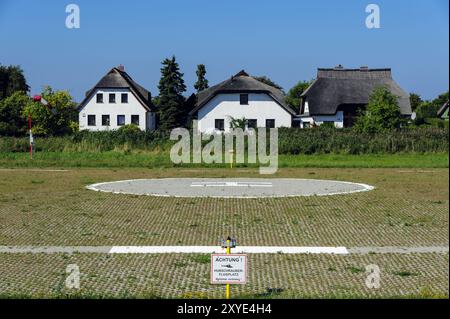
215 249
398 250
365 188
171 249
231 184
34 170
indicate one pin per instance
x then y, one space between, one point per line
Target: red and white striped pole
31 136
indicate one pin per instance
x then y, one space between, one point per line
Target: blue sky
285 40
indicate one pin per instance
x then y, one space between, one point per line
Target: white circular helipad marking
230 187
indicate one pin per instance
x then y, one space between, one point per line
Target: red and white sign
228 269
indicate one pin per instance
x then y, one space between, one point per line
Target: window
124 98
112 98
105 120
120 120
99 97
306 125
252 123
135 119
91 120
243 99
270 123
220 124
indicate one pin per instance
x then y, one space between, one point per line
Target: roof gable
241 83
118 79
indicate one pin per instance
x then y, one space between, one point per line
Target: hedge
290 141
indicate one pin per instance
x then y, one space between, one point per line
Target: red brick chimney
121 68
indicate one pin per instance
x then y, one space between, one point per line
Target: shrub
129 129
383 112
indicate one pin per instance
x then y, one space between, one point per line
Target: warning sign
228 269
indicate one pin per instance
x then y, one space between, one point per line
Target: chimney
339 67
121 68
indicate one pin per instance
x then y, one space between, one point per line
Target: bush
129 129
382 113
349 141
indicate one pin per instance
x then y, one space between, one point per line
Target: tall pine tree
171 86
202 82
12 80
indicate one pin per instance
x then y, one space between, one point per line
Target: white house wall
224 106
133 107
337 118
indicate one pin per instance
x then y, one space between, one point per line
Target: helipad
230 187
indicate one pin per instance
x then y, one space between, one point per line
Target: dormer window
112 98
243 99
99 97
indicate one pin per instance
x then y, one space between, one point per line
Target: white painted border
216 249
34 170
365 188
340 250
171 249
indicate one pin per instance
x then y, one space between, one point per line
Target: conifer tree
202 82
171 86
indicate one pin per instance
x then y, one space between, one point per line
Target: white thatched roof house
337 94
114 101
238 97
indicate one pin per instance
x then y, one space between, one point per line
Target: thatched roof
335 88
241 83
117 78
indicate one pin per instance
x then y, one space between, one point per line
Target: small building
337 95
114 101
239 97
442 113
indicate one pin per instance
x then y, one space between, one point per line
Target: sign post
227 288
228 268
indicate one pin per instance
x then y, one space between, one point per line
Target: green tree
293 97
382 113
11 109
202 82
428 109
172 111
440 100
268 81
58 117
12 80
415 101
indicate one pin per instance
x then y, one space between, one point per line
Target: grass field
409 207
162 160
